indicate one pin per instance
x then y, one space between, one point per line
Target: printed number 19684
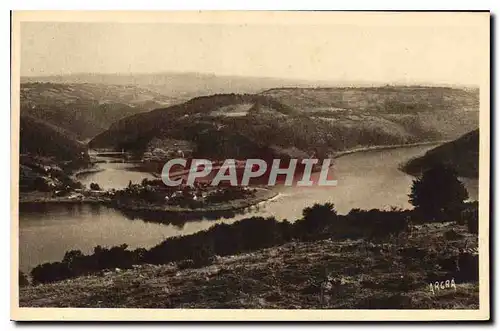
439 286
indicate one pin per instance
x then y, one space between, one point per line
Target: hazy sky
419 53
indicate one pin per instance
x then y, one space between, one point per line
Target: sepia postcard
250 166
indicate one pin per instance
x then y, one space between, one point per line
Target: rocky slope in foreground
298 275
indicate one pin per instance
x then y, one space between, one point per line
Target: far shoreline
235 205
382 147
86 171
362 149
227 207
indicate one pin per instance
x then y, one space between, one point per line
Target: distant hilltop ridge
177 84
321 121
175 78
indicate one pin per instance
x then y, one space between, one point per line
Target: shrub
202 254
185 264
468 267
76 262
50 272
23 280
374 223
115 257
452 235
473 224
250 234
258 232
470 217
315 219
95 187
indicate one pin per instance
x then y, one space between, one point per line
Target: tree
71 256
438 193
316 218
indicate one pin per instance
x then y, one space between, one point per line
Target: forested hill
309 120
87 109
39 138
461 154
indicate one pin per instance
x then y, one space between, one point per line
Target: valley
372 133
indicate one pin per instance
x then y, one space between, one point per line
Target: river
369 179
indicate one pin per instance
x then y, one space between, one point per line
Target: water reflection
365 180
178 219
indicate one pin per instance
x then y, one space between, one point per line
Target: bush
315 219
185 264
246 235
95 187
50 272
23 280
470 217
75 263
473 224
374 223
258 232
115 257
202 254
468 267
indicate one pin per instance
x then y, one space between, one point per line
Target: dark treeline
250 234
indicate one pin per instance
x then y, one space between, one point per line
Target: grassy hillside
462 154
418 109
320 274
87 109
385 99
320 121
